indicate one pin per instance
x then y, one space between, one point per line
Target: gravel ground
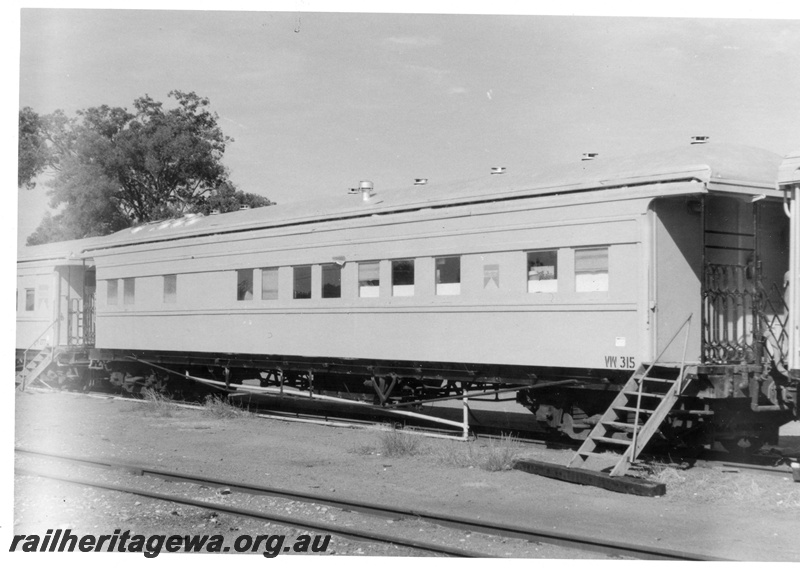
720 512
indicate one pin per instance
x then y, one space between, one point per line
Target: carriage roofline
726 168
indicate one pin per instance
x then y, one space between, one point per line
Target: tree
33 151
90 208
114 169
227 198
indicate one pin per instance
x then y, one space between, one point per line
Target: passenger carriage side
470 287
577 277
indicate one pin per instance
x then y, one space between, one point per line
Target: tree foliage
227 198
113 168
33 151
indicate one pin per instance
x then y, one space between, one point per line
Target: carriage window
244 284
30 299
331 281
128 290
302 282
543 271
591 270
111 296
170 288
403 277
448 276
44 296
369 280
269 283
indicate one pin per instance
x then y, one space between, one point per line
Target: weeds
719 486
222 409
395 443
158 404
500 454
455 454
494 455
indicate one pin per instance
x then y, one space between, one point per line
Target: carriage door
78 293
745 258
677 274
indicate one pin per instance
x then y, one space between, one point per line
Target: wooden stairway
631 420
33 369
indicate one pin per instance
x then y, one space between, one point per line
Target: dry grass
492 455
396 443
500 454
701 485
221 409
159 404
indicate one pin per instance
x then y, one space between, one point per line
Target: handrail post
35 341
683 357
688 321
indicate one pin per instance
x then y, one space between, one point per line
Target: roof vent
699 139
420 181
497 171
243 207
587 156
364 188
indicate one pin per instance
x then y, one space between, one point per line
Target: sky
316 102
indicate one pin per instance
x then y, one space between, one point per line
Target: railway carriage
54 305
559 283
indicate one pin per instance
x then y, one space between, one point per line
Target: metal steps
33 369
630 421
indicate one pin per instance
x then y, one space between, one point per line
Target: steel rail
279 519
567 540
772 470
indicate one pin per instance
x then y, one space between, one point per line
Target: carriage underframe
740 406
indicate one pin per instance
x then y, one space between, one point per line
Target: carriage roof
721 167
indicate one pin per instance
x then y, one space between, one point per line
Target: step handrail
688 321
35 341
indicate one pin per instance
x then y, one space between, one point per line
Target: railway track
562 539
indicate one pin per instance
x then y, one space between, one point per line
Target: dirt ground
722 512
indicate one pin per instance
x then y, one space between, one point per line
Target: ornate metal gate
743 322
774 321
731 314
80 321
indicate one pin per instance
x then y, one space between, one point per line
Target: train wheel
742 447
573 429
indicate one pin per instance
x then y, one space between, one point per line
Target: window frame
112 285
447 288
306 293
600 280
547 285
245 276
369 288
267 293
401 290
128 291
325 270
170 283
